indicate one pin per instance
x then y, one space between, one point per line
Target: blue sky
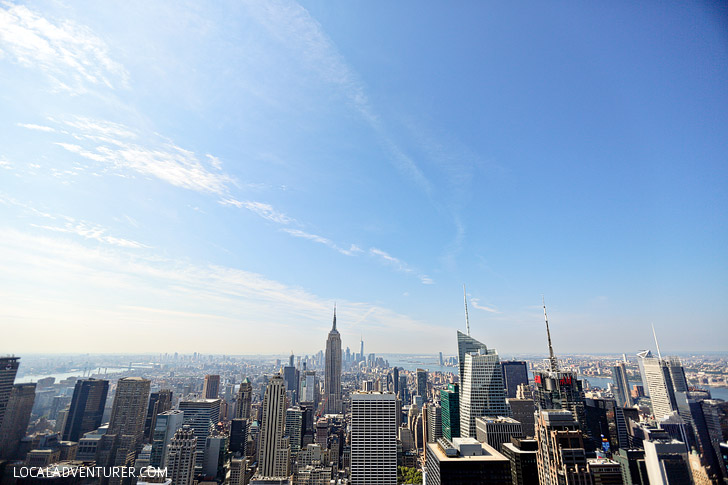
213 177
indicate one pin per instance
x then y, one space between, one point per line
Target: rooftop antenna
552 358
334 315
467 320
659 355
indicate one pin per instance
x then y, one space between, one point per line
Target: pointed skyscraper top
553 363
467 320
334 316
657 344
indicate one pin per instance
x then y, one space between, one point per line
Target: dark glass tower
87 408
515 372
450 404
8 370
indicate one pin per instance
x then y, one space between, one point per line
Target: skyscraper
466 345
8 370
17 416
159 402
244 401
332 376
126 427
657 374
559 389
165 427
272 458
294 427
422 384
291 379
181 456
309 389
482 391
373 438
515 372
201 415
620 382
561 456
211 388
87 408
450 403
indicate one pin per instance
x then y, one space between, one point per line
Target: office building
666 461
291 379
87 408
180 460
482 392
244 400
211 388
274 450
238 442
8 370
658 378
496 430
294 428
620 385
166 425
559 389
17 416
603 471
309 388
467 345
332 373
373 439
159 402
215 449
515 373
422 384
124 437
201 415
450 412
561 455
522 411
465 461
434 422
521 454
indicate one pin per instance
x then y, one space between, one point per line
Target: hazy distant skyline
213 177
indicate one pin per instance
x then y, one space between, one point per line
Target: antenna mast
467 320
554 364
659 355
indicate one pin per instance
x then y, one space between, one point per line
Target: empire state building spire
332 371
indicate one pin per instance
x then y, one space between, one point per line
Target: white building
483 393
373 438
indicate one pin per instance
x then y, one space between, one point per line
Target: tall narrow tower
272 459
332 376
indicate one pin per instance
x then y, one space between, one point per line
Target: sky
214 176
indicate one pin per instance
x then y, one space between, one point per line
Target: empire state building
332 376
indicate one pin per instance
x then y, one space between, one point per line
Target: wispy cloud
160 295
475 302
91 231
399 265
71 55
353 249
69 225
122 149
32 126
298 30
266 211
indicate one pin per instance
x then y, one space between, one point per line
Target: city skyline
239 168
